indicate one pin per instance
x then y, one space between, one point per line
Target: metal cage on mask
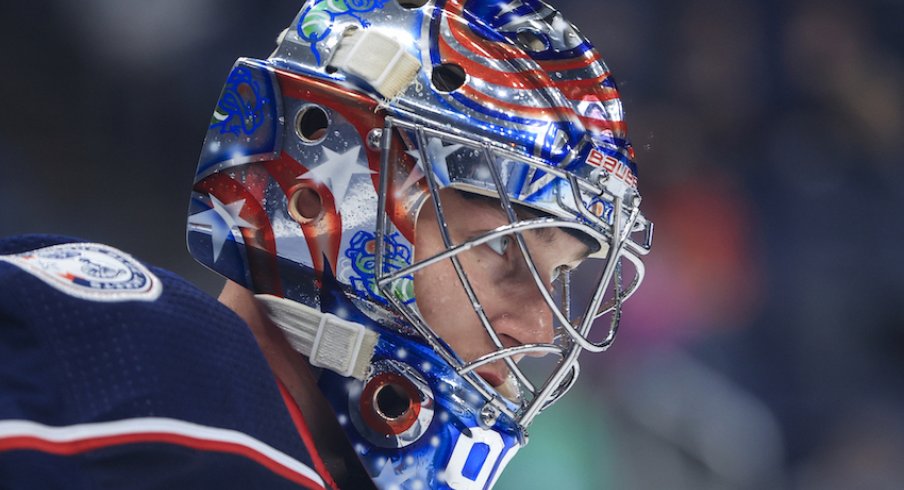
560 200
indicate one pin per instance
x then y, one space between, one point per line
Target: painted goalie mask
437 203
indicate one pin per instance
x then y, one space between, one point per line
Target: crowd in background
765 349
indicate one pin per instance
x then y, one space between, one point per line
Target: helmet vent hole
412 4
531 41
392 401
448 77
305 205
390 405
311 124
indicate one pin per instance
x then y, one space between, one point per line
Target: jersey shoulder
106 333
95 341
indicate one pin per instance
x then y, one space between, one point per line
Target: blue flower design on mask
397 256
243 105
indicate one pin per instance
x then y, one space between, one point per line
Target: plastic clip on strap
376 58
328 341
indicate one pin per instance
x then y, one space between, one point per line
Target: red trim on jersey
88 444
302 427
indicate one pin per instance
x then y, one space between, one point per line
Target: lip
502 382
492 376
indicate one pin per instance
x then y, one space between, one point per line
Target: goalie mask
437 203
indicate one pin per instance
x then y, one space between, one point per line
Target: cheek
444 304
435 292
441 297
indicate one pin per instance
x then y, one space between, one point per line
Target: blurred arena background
765 350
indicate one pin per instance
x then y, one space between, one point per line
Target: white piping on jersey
153 425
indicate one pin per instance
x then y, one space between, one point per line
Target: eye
500 245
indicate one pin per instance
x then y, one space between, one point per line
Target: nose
520 313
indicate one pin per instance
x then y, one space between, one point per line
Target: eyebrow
546 234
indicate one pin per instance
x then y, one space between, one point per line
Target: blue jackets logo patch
90 271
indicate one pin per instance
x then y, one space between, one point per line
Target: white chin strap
328 341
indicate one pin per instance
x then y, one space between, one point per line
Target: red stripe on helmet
322 235
263 267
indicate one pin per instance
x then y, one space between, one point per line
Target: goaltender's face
499 276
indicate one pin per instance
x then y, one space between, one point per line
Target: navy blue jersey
115 375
